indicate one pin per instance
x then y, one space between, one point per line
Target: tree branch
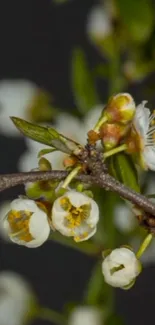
103 180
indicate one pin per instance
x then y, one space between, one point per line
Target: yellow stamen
19 224
76 215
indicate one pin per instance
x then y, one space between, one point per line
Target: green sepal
48 136
106 252
137 17
84 90
88 193
123 169
41 190
44 164
129 286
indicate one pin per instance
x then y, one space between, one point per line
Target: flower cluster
132 127
68 206
73 214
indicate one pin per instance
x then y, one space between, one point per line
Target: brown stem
103 180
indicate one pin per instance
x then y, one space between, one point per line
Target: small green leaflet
44 152
47 136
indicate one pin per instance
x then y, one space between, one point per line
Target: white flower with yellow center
75 215
27 223
144 135
16 98
15 299
86 315
121 267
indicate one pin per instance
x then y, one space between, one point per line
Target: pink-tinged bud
120 108
112 134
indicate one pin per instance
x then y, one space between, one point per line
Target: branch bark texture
103 180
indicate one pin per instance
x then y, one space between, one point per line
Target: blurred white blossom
99 24
16 97
85 315
4 209
68 125
15 299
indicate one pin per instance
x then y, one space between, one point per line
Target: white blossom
68 125
15 299
124 218
75 215
99 24
121 267
16 97
4 209
86 315
144 126
27 223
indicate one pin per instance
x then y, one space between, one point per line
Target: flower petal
141 119
149 157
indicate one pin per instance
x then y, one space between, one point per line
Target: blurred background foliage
60 62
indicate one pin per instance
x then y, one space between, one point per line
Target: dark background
36 39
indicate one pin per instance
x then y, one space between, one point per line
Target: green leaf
137 17
82 82
48 136
123 169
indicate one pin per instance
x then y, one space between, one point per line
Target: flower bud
27 223
75 215
121 267
120 108
111 134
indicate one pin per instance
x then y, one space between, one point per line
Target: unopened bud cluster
122 122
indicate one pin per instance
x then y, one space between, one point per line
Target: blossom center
19 224
76 215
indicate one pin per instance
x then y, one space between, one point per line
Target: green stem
144 245
86 247
99 123
72 174
51 316
111 152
